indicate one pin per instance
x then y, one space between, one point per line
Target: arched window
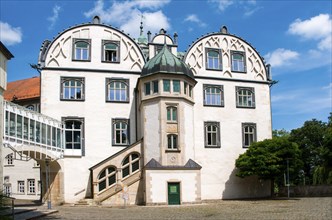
248 134
213 59
72 88
213 95
238 61
117 90
111 51
172 142
172 114
82 49
120 131
245 97
106 178
130 164
73 133
212 134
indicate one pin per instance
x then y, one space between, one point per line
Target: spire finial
141 27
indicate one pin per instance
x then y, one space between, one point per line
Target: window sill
72 100
218 106
250 107
237 71
9 165
212 147
214 69
81 60
106 61
109 101
172 150
120 145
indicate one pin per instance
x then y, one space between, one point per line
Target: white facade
92 80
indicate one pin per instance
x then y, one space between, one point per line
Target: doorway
173 193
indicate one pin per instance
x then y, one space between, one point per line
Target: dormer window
111 51
238 61
213 59
81 50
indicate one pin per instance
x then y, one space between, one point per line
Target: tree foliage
268 159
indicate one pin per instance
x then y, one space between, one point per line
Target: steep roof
23 89
5 51
166 62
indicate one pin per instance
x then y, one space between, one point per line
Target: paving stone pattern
294 208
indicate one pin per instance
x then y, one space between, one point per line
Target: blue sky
293 36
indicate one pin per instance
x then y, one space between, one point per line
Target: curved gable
93 38
227 48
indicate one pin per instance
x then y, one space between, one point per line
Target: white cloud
193 18
54 18
248 5
223 4
316 28
10 35
127 15
281 57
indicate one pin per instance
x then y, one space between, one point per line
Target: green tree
280 133
268 160
312 139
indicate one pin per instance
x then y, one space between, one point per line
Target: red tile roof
23 89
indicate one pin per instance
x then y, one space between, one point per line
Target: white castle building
136 120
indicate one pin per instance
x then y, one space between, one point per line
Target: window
238 61
147 88
190 91
212 134
117 90
72 88
213 59
172 142
120 131
20 186
245 97
130 164
155 86
176 86
158 48
166 85
81 49
248 134
31 186
111 51
106 178
30 107
9 158
8 189
74 133
213 95
185 87
171 114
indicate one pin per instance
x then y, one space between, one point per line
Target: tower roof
166 62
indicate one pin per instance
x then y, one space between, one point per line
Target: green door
174 193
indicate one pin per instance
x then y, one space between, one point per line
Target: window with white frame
82 49
245 97
167 85
172 115
248 134
117 90
106 178
213 59
74 133
130 164
172 142
176 86
120 134
147 88
7 189
31 186
213 95
21 187
10 159
72 88
155 86
111 52
212 134
238 61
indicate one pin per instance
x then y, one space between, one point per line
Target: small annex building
145 123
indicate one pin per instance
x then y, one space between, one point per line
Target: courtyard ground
294 208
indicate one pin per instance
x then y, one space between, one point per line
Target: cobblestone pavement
297 208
